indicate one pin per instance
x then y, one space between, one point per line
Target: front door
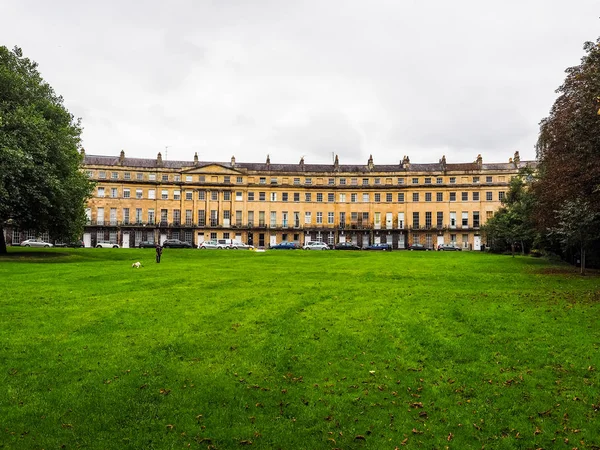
440 240
125 240
163 238
87 239
477 243
401 243
272 239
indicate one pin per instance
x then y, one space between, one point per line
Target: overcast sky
307 78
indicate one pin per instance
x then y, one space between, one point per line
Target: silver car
314 245
212 244
35 243
240 245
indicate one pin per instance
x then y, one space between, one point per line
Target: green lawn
296 350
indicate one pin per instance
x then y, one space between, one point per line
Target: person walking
158 252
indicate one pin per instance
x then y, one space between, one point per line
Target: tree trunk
512 249
3 250
522 248
582 260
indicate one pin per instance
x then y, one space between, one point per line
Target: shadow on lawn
33 256
567 270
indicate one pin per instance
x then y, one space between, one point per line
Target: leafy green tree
578 226
42 186
513 224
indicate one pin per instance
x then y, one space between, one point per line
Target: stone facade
154 199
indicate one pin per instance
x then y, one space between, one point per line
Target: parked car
417 247
106 244
212 244
346 246
147 244
314 245
176 243
381 247
35 243
285 246
236 245
75 244
449 248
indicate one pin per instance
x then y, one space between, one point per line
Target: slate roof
146 163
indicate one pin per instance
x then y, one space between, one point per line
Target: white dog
136 265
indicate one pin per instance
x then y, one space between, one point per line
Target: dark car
285 246
147 244
346 246
449 248
381 247
75 244
176 243
417 247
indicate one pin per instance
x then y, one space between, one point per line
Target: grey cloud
305 78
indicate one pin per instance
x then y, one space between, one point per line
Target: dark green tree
568 146
42 186
578 226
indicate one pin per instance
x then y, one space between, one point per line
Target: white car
35 243
314 245
105 244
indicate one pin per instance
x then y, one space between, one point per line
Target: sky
305 78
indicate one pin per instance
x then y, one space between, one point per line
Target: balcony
426 227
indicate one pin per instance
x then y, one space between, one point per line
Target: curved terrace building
138 199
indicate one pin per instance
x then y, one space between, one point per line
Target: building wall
268 203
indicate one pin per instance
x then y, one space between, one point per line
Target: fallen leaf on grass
450 436
165 391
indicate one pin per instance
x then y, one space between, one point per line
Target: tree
578 226
513 222
42 186
568 146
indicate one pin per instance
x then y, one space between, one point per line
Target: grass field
296 350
